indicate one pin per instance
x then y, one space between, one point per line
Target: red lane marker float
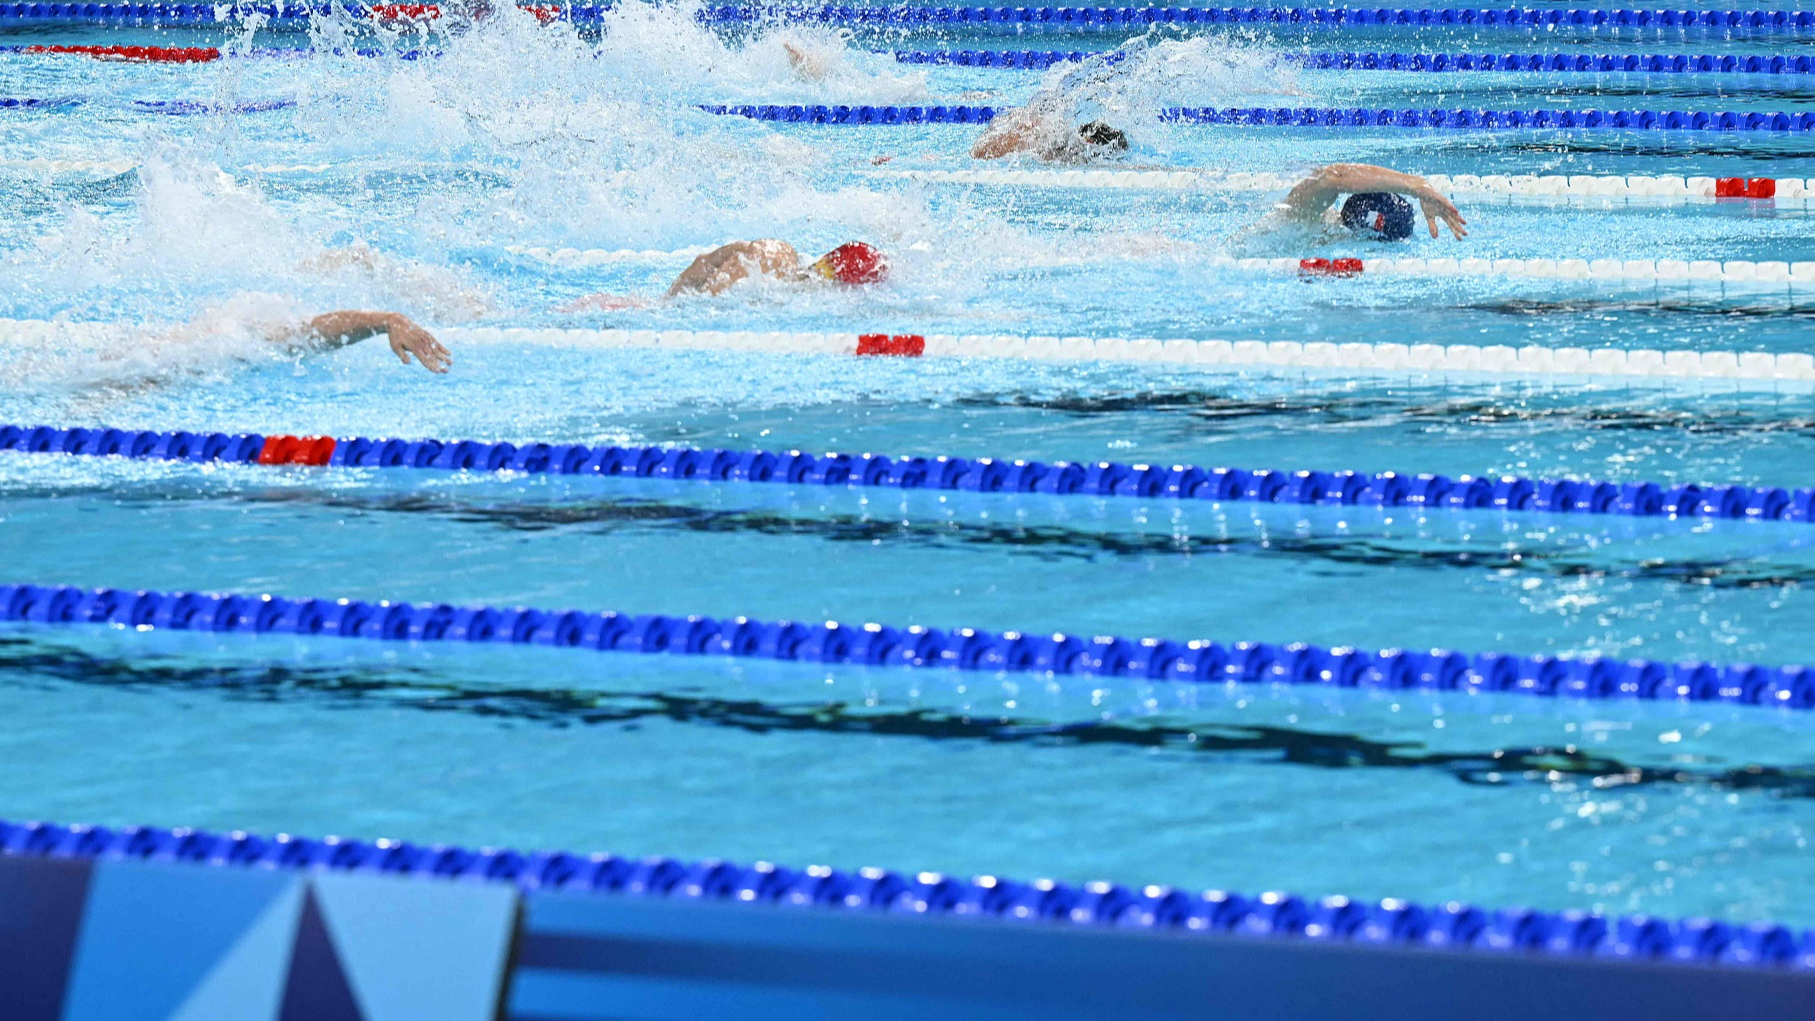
149 54
406 12
313 450
910 345
1330 267
545 13
1745 188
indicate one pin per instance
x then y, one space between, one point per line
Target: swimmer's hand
409 339
338 329
1437 206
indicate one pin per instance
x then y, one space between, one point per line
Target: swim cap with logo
853 263
1381 214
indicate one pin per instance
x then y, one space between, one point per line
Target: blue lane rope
986 475
1118 17
1078 18
1465 120
829 642
1603 63
1471 120
1451 927
171 107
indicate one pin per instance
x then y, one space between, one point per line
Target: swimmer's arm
1009 135
605 303
715 272
338 329
811 66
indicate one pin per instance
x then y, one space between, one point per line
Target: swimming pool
522 136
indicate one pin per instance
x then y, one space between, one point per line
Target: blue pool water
521 135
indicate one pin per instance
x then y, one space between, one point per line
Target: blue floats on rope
1086 18
985 475
1472 120
1449 927
1063 18
1703 63
1142 659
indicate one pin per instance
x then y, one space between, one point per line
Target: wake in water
586 142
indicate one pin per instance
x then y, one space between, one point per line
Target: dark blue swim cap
1380 214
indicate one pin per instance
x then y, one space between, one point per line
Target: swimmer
275 319
1375 208
853 263
1040 130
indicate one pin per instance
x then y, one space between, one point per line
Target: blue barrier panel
986 475
41 905
198 926
168 941
585 957
1043 652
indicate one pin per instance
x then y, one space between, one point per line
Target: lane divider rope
1551 187
1061 18
1452 926
1602 63
1737 370
982 475
1703 63
1052 653
174 107
1735 274
1523 186
1460 120
1088 18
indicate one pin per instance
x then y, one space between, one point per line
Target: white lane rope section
1738 274
1540 187
1755 366
1737 369
1521 186
580 258
121 166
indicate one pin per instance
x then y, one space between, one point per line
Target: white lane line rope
1533 186
1738 369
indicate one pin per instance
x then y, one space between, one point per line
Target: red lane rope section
1745 188
910 345
406 12
1330 267
149 54
311 450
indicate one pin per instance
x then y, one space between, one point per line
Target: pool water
522 135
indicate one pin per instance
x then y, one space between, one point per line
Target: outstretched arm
1011 132
1311 197
338 329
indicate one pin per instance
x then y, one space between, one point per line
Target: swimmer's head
853 263
1098 133
1378 214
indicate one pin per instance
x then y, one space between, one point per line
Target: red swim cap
854 263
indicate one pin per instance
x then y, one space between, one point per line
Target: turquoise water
525 136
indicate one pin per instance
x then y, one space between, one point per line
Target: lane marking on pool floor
1733 369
